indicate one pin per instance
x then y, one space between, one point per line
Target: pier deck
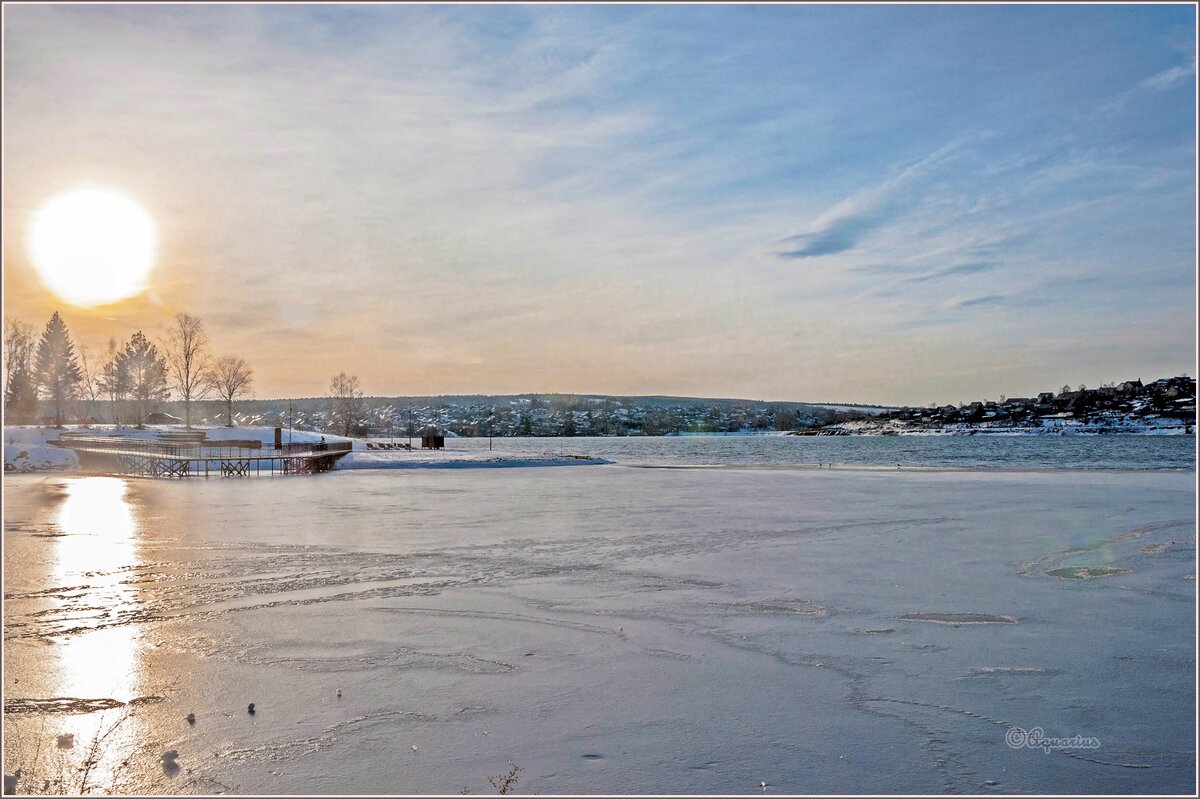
212 458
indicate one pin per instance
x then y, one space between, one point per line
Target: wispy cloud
986 299
843 226
1158 82
1169 77
970 268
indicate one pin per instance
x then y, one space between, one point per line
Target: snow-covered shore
27 449
1143 426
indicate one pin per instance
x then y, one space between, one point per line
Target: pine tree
144 372
114 379
56 366
20 398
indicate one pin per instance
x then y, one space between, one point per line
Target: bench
182 436
232 443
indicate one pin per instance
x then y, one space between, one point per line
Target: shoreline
28 451
528 463
1157 426
893 469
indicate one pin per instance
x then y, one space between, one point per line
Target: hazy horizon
890 205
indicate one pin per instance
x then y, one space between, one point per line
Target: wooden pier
199 458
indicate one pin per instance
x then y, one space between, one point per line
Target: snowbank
26 450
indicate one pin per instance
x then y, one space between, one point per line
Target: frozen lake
605 628
991 452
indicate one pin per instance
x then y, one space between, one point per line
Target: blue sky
890 204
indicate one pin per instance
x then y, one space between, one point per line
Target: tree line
132 376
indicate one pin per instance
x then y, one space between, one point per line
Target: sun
93 246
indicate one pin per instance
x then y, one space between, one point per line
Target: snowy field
604 629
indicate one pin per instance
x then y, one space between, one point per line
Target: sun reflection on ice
100 657
96 506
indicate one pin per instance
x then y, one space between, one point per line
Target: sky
881 204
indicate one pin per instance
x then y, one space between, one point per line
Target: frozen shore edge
27 450
874 428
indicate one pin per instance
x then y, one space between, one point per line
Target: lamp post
490 418
410 426
291 416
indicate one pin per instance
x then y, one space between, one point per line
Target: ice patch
959 618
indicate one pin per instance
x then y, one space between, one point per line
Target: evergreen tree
20 397
114 379
57 369
144 372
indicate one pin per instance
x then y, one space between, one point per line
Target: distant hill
541 414
648 400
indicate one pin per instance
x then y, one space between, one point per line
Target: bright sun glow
93 246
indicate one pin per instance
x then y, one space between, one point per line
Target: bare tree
345 402
91 388
18 348
185 347
20 382
231 377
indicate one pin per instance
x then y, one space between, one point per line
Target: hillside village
1166 405
543 415
47 382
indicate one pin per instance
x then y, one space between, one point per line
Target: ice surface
606 629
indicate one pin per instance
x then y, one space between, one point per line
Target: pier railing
201 450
